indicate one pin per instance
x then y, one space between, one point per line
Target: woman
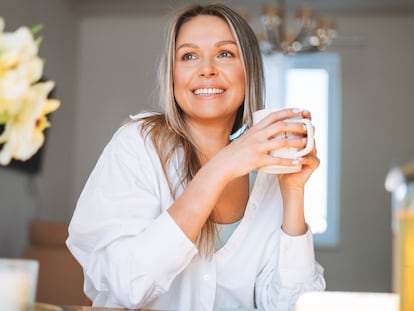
172 216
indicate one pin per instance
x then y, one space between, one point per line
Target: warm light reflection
405 249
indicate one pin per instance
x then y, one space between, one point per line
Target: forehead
205 27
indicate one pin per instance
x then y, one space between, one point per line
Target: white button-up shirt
134 255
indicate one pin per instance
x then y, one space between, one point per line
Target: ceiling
88 7
346 5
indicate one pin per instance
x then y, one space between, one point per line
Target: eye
188 56
226 54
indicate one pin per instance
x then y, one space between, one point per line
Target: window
312 82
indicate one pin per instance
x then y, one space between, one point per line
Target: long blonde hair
168 131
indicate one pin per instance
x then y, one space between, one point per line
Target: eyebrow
218 44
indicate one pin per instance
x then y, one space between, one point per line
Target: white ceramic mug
287 153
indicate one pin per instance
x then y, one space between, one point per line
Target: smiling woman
175 207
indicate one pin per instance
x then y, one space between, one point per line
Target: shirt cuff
296 258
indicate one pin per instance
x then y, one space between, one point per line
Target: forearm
293 212
191 210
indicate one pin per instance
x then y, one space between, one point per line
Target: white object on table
346 301
18 282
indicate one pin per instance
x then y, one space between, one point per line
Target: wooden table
48 307
88 308
84 308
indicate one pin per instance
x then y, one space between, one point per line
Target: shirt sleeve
289 270
128 245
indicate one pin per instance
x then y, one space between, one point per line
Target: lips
208 91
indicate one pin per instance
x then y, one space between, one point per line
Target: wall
377 106
45 195
117 64
115 73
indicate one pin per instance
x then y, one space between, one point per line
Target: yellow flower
23 100
19 67
17 47
14 83
23 134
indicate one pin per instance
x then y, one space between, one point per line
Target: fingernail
295 110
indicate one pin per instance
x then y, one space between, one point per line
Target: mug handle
309 143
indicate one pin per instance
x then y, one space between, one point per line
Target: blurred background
103 55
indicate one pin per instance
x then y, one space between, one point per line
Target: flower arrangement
24 101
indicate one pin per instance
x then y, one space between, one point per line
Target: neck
210 138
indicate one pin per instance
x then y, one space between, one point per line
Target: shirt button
206 277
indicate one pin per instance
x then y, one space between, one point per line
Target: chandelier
311 34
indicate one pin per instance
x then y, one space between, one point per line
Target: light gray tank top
224 231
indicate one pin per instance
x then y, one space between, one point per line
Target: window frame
276 67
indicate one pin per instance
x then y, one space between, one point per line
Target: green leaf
38 41
35 29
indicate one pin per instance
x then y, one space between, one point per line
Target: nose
208 68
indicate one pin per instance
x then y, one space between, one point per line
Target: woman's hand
293 194
252 150
309 164
249 152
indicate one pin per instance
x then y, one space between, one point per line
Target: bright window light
311 82
308 89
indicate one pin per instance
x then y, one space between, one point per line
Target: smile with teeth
208 91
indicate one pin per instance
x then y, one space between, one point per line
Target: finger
310 161
271 160
281 129
283 142
278 115
306 114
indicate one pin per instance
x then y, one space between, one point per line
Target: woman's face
209 78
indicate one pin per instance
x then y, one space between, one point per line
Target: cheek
241 79
237 73
177 84
176 77
180 79
242 75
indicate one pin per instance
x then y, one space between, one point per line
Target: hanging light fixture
311 34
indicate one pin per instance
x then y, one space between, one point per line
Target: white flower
23 100
23 134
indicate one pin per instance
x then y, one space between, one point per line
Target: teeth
206 92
